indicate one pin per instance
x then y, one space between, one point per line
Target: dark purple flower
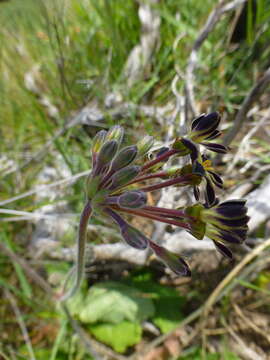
204 129
118 185
224 223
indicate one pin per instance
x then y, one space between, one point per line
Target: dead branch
140 56
258 205
249 100
208 27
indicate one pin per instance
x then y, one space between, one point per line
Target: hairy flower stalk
118 185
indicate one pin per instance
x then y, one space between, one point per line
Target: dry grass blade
239 267
40 188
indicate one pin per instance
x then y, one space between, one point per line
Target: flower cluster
118 185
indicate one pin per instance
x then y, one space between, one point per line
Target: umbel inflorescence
118 185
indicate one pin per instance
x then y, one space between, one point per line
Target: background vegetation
58 58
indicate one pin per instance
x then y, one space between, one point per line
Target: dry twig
221 8
252 96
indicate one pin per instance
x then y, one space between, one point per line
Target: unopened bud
107 152
132 199
134 237
124 176
115 133
98 141
171 259
124 157
145 144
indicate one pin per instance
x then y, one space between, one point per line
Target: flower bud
98 141
145 144
218 148
134 237
107 152
124 157
132 199
124 176
171 259
115 133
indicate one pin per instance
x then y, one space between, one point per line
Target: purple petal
196 191
242 233
215 134
206 123
234 222
230 237
215 147
196 121
223 250
194 152
233 211
210 196
216 179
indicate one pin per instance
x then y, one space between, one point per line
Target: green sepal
91 186
178 145
99 198
144 145
173 171
198 227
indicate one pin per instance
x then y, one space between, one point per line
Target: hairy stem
178 180
166 212
160 158
160 174
81 242
145 214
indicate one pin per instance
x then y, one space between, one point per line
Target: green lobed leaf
119 336
168 303
112 302
168 313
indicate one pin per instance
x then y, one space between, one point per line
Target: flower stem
81 242
160 158
145 214
165 211
178 180
160 174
